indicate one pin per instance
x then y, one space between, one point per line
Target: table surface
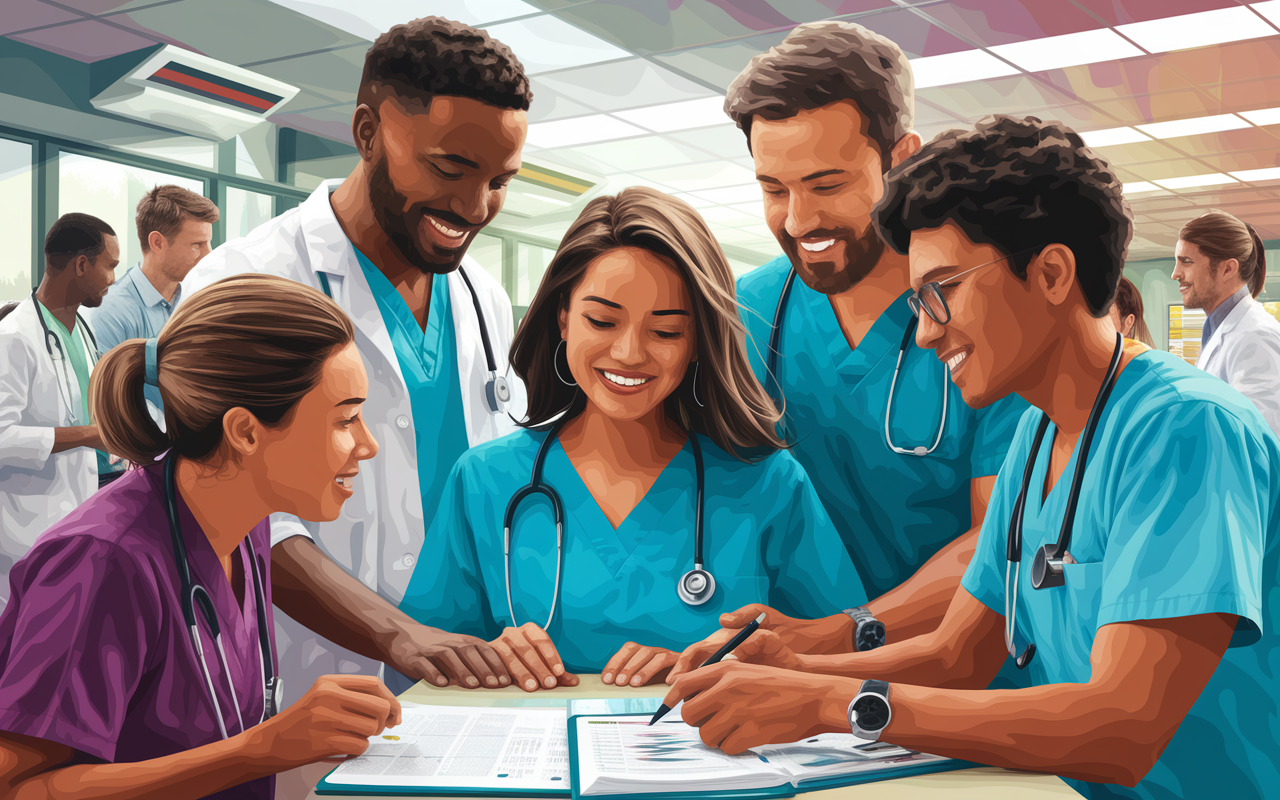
985 783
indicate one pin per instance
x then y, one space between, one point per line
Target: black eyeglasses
929 296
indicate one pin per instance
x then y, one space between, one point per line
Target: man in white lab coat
440 123
47 353
1220 266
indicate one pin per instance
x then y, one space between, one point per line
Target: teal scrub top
1177 516
893 511
766 539
74 350
429 363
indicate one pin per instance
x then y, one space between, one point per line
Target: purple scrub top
94 652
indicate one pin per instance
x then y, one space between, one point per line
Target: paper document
468 748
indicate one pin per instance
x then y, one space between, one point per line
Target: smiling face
629 332
821 176
998 322
312 462
439 175
1199 283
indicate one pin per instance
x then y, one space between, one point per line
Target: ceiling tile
623 84
219 30
723 140
711 175
1119 12
648 152
1136 152
995 22
1113 79
107 7
1248 95
1159 107
21 15
916 35
546 43
1235 162
335 74
86 41
549 105
1076 116
1170 168
1014 94
718 64
731 217
1258 58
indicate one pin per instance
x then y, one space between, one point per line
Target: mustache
824 233
447 217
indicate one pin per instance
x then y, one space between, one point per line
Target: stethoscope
1046 569
775 339
496 390
695 587
52 341
193 593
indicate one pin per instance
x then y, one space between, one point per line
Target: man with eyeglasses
1129 557
901 463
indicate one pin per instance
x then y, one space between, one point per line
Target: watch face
872 712
870 636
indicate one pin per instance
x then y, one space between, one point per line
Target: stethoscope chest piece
1046 569
696 586
496 391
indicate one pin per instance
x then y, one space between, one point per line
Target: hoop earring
555 363
696 371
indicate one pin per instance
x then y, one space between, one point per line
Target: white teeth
817 247
343 481
956 360
440 226
621 381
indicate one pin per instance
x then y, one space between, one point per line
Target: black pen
728 648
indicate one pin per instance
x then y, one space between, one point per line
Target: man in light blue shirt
175 228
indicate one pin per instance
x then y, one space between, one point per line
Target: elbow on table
1125 757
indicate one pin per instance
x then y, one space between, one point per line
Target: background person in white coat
48 464
1220 266
440 123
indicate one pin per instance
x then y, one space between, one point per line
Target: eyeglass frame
915 303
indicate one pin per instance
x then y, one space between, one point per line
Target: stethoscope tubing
51 341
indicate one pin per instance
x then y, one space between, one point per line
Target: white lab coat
1245 352
381 530
37 486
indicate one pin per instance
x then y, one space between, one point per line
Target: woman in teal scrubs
633 351
1154 616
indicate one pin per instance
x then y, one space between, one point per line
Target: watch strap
868 632
879 687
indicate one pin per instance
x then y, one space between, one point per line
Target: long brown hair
1221 236
256 342
1129 301
738 415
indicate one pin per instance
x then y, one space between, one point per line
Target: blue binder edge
784 791
326 787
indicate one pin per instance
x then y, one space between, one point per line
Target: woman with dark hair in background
114 680
1126 314
1221 266
643 417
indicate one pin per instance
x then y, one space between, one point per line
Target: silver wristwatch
868 632
869 712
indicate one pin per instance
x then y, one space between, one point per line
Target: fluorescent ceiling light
1138 187
701 113
1270 10
1194 126
1264 174
1110 136
966 65
1265 116
730 195
580 130
724 215
545 199
1212 179
369 19
693 200
1197 30
1069 50
546 43
755 208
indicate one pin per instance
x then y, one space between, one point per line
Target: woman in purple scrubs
102 691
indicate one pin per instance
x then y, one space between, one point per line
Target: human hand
335 717
644 665
778 642
738 706
439 657
531 658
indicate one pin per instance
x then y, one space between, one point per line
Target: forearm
308 586
78 436
190 774
918 605
922 661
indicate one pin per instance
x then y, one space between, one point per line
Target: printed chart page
624 755
465 748
839 754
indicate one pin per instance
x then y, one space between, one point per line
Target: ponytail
1259 275
118 407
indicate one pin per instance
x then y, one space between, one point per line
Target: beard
399 220
861 254
93 302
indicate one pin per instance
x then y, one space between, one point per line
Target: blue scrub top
429 363
893 511
766 540
1177 516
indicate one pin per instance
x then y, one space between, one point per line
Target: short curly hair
1017 184
436 56
822 63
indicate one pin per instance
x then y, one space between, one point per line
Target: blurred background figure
1126 314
